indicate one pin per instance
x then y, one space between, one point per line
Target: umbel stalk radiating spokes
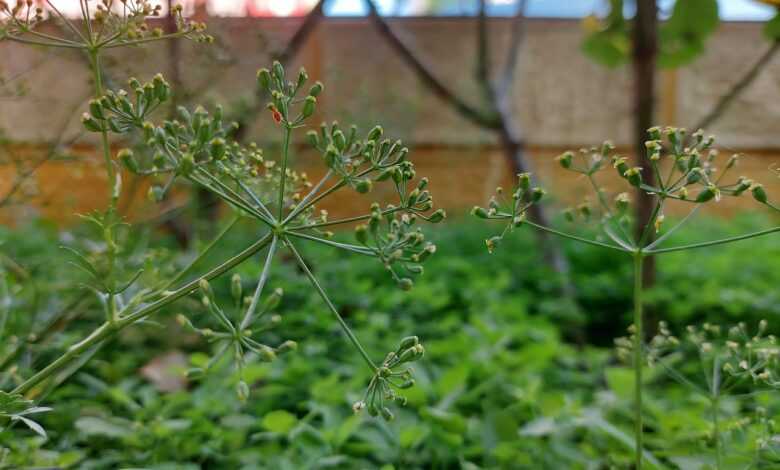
692 177
195 148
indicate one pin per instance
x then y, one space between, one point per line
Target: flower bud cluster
233 335
396 241
284 95
120 112
514 211
390 378
112 23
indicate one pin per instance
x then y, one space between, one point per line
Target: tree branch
725 101
481 118
513 53
483 53
302 34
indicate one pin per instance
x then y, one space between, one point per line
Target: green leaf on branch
772 28
683 35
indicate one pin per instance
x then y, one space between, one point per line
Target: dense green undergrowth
513 376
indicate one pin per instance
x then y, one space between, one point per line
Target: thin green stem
344 246
33 42
605 206
352 338
108 330
638 359
144 40
67 22
201 255
714 242
671 231
304 203
346 220
250 312
113 184
302 207
283 169
715 402
574 237
650 224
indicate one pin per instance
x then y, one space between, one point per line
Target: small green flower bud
218 148
161 88
694 176
429 249
565 159
128 160
634 176
331 156
707 194
375 133
415 269
302 78
524 181
694 161
287 346
236 288
759 193
518 220
308 106
492 243
90 123
313 138
386 414
363 185
742 185
264 79
568 214
408 342
407 384
274 299
622 201
187 164
408 354
413 196
621 165
96 109
361 234
479 212
339 140
537 194
278 71
205 287
266 354
654 132
405 283
437 216
607 147
316 89
242 390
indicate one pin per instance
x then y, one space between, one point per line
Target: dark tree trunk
645 42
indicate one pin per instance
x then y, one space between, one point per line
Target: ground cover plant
503 385
683 168
196 148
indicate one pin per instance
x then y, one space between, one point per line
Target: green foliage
501 386
682 36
